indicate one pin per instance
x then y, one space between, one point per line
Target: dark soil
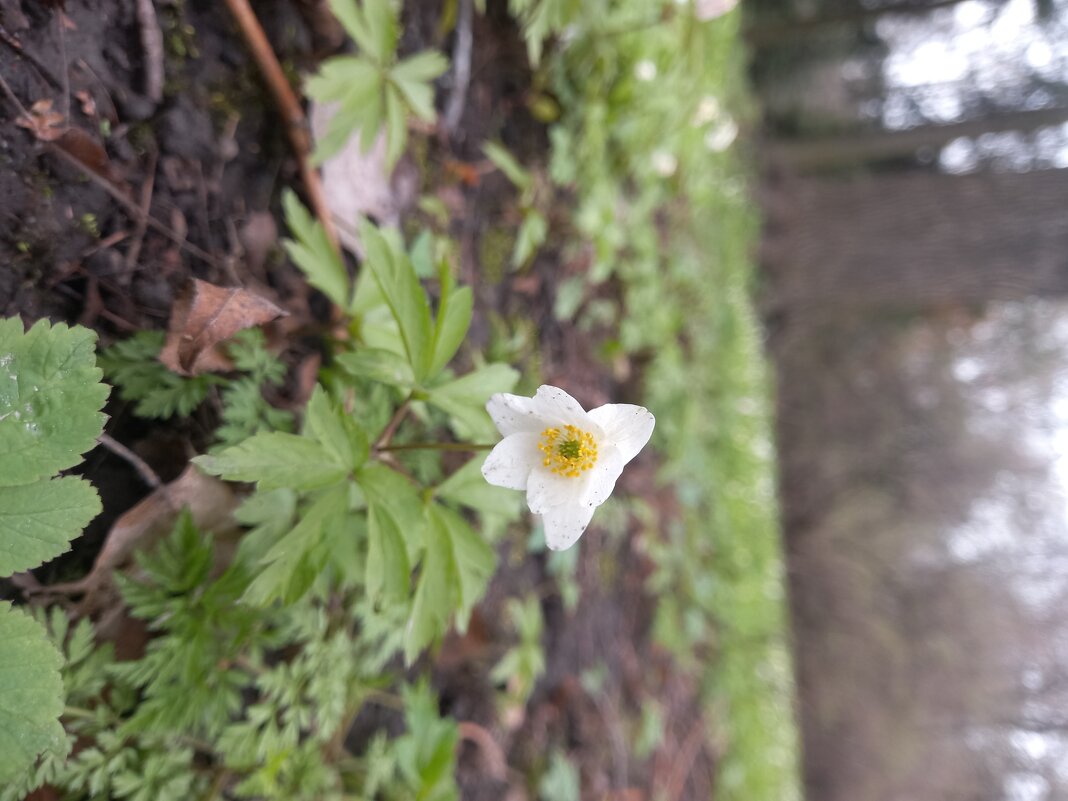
209 162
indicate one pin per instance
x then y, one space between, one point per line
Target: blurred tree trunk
777 33
822 153
915 239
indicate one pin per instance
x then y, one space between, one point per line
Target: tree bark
915 240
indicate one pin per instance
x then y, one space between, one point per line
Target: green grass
681 247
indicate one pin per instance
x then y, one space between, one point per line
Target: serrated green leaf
293 563
390 490
473 561
50 399
378 365
454 318
336 431
407 301
38 521
313 254
388 570
274 460
464 399
468 487
433 595
383 27
31 694
413 78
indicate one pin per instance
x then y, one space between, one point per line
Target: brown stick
290 108
152 44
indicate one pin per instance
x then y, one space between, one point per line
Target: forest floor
126 171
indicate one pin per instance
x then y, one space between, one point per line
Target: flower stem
438 446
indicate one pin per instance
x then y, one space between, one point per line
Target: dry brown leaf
86 150
45 124
205 316
87 103
210 503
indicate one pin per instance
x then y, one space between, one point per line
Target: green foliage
133 365
522 665
561 781
678 247
535 227
541 19
373 90
32 692
50 401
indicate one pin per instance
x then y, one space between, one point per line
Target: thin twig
7 38
134 209
461 59
134 251
148 475
17 103
152 44
65 77
290 108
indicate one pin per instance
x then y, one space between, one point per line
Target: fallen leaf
210 503
358 184
87 151
203 318
45 124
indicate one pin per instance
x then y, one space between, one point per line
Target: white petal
602 478
546 490
627 427
513 413
555 405
511 460
565 524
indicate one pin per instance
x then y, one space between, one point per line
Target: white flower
664 163
722 136
645 70
567 460
708 110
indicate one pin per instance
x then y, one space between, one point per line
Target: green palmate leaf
313 254
454 318
464 399
456 568
407 301
426 755
473 560
50 399
413 76
336 431
391 491
31 694
467 487
433 596
378 365
293 563
38 521
274 460
388 571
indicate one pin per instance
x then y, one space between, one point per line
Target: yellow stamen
569 452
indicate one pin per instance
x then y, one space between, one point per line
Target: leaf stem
382 443
438 446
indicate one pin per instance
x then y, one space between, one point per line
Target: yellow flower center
569 451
